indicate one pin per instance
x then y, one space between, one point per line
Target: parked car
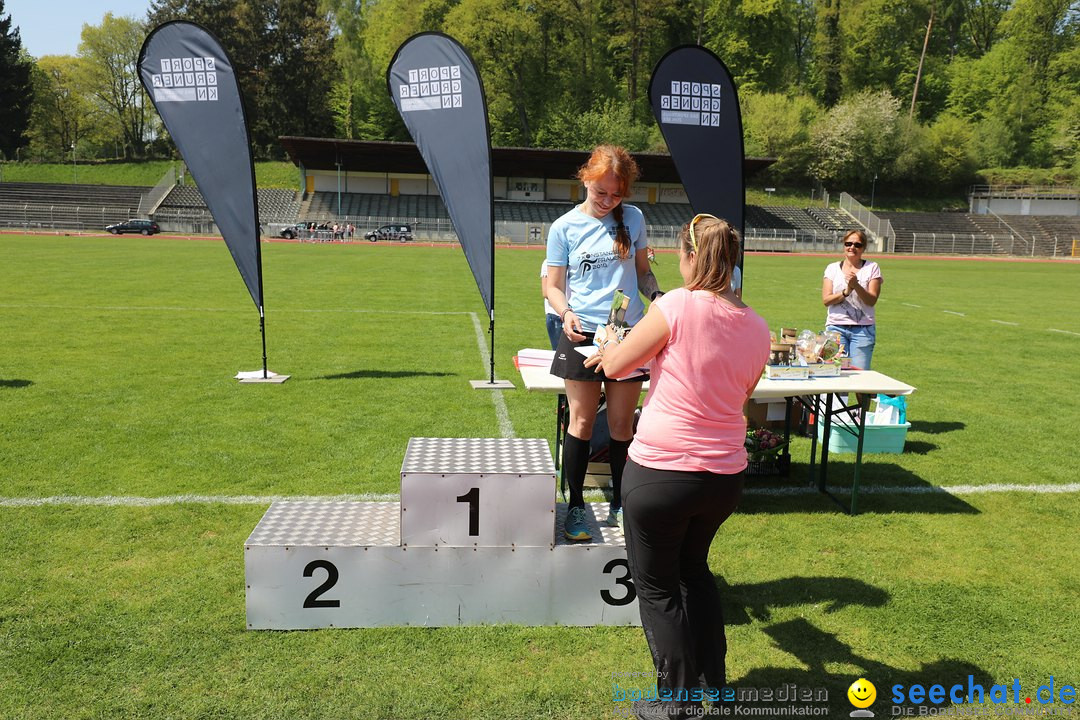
399 232
145 227
290 231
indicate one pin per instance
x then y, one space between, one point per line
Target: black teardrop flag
435 86
694 100
192 83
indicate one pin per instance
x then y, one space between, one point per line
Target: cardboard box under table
818 394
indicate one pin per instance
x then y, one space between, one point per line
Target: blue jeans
858 341
554 328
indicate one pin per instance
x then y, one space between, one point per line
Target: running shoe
577 527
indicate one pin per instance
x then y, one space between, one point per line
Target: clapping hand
852 277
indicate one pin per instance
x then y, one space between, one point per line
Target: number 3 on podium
624 580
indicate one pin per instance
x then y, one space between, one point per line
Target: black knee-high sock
617 457
575 460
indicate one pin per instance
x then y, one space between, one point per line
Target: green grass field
116 380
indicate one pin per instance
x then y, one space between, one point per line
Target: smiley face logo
862 693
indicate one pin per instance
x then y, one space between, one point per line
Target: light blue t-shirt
585 246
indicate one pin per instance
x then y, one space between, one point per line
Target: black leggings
671 518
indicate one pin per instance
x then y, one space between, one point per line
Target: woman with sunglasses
850 290
685 473
594 250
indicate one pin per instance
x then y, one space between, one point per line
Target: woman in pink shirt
685 473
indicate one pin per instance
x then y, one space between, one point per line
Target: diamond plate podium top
512 456
378 524
329 524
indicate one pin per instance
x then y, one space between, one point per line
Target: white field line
134 501
167 308
999 322
926 490
506 428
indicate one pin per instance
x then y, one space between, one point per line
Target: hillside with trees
921 94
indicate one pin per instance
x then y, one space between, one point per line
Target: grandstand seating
275 205
82 207
816 221
924 222
1036 234
323 205
762 217
796 218
1062 227
833 219
964 232
91 207
671 214
909 225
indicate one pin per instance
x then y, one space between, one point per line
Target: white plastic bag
884 415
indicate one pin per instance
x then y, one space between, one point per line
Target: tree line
928 94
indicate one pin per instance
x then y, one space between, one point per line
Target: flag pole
491 330
262 331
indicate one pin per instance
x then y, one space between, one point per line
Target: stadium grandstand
50 206
372 183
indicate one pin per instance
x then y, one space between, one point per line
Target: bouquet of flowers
763 445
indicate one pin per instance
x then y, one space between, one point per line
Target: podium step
342 564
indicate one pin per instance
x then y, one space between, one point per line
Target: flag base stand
256 376
491 384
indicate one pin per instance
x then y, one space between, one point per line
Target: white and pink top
852 311
693 415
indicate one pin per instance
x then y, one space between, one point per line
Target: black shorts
569 364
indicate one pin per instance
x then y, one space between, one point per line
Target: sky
53 27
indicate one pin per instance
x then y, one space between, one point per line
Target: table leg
823 471
785 455
813 407
864 406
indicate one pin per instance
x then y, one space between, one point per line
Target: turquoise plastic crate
876 439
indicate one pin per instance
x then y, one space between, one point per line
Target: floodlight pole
338 163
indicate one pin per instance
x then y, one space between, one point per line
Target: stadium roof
401 157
